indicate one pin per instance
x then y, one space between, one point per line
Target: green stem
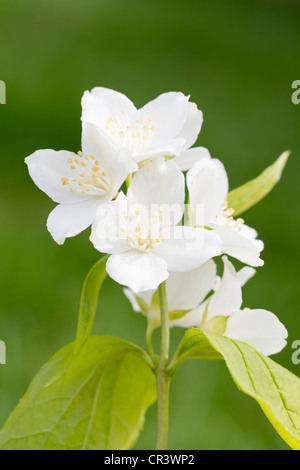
128 180
149 342
162 377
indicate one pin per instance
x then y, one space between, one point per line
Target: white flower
187 159
221 313
164 127
208 189
79 182
185 291
143 237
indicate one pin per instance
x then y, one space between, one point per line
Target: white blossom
221 313
79 182
166 126
144 238
208 189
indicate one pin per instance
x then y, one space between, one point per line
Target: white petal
139 271
103 108
189 157
186 290
124 165
160 182
208 188
192 125
251 233
259 328
67 220
97 144
168 114
245 274
171 148
192 319
146 296
105 234
187 248
132 299
47 168
109 244
217 283
111 112
238 246
102 103
118 163
228 297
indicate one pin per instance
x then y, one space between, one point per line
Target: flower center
135 135
225 218
89 176
143 234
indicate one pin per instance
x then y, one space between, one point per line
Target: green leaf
193 346
245 196
88 302
95 400
176 314
275 388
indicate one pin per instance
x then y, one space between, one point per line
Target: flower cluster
149 232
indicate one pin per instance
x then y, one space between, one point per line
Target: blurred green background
238 60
